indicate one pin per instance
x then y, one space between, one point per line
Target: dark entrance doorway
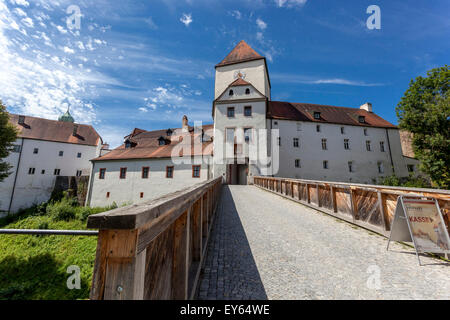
237 173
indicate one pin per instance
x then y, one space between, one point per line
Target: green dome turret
66 117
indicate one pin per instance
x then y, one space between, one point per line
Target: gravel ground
266 247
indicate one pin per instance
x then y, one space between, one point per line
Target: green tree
424 110
8 134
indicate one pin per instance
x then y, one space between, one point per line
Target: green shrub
409 182
62 210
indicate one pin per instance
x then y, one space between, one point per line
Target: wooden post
197 228
125 268
308 195
98 277
354 205
318 196
333 198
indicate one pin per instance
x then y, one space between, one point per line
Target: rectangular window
410 168
380 167
57 172
368 147
346 144
317 115
196 171
230 134
365 132
169 172
248 134
141 195
296 144
61 153
325 164
297 163
362 119
79 173
42 171
350 166
318 128
382 146
123 173
279 141
16 148
248 111
35 150
107 194
79 155
230 112
101 174
342 130
324 144
145 171
31 170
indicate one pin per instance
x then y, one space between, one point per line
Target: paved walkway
266 247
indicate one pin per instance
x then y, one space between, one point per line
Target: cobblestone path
266 247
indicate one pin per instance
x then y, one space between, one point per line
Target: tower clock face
239 74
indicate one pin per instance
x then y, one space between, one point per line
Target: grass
35 267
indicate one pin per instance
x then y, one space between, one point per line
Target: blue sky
147 63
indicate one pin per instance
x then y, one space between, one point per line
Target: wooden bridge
157 250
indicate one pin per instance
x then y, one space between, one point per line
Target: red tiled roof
56 131
239 82
147 145
328 114
241 53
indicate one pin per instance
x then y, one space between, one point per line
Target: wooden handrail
369 206
154 250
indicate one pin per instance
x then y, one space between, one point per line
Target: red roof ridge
241 53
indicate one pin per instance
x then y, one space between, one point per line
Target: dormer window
362 119
247 91
231 93
127 144
169 132
21 119
161 141
316 115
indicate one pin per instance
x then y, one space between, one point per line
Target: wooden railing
154 250
369 206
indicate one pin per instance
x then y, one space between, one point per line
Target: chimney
367 106
185 126
21 119
75 130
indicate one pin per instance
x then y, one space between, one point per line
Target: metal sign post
420 221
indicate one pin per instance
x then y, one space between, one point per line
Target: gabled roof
239 82
55 131
241 53
147 145
328 114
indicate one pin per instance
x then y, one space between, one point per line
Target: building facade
44 150
151 164
251 135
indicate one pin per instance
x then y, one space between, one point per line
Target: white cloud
24 3
20 12
259 36
186 19
61 29
294 78
151 23
261 24
290 3
236 14
28 22
68 50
